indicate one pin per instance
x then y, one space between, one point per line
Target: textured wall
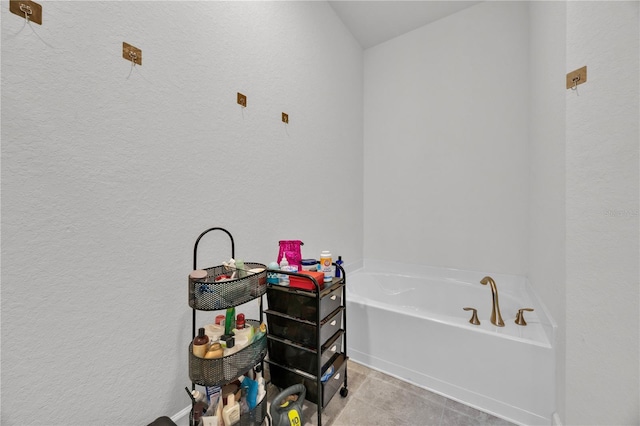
445 125
546 269
110 173
602 215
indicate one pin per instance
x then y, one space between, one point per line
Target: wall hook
576 77
26 9
30 10
131 53
575 83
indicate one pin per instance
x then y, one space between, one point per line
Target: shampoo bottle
200 344
231 411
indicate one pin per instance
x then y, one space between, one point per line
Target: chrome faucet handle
520 316
474 317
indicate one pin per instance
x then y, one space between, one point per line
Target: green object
240 268
230 321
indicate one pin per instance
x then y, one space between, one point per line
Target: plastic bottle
230 320
214 351
199 396
325 264
240 268
261 390
200 344
284 266
231 411
339 263
240 321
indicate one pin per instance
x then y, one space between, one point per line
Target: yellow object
215 351
294 418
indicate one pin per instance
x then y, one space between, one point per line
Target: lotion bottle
231 411
200 343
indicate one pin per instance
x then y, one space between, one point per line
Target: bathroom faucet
496 318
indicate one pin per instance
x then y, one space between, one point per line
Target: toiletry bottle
261 391
200 344
231 411
230 320
240 322
284 266
199 396
240 268
325 263
214 351
338 263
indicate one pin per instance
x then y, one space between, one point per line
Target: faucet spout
496 318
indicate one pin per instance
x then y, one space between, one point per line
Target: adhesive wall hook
27 9
131 53
576 77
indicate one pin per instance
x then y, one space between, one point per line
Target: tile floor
378 399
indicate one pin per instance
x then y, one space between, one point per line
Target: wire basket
217 372
255 416
212 295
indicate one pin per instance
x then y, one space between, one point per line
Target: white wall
602 294
446 132
546 263
109 174
426 200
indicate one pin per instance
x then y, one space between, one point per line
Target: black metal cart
307 337
211 295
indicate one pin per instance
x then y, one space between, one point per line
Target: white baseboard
556 420
181 418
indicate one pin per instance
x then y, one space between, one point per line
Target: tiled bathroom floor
378 399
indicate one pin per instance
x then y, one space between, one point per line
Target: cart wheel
344 392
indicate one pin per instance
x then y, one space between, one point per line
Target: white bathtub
408 321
